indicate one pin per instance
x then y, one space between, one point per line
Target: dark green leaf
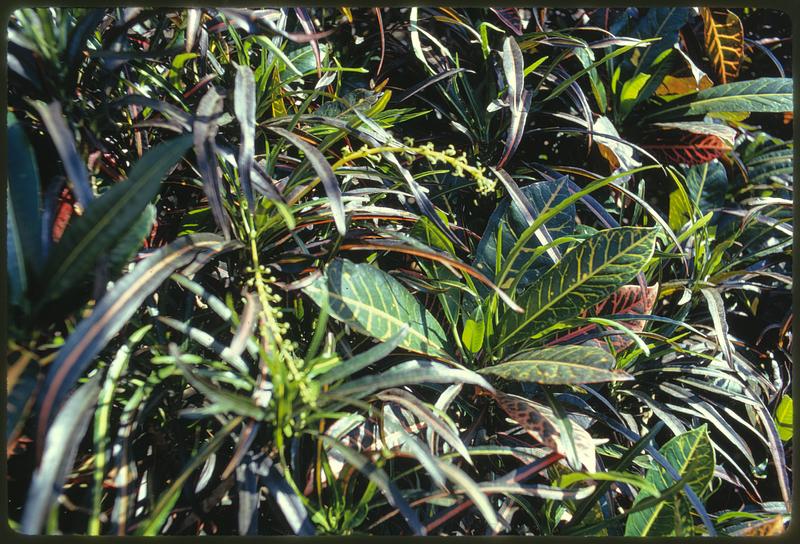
23 194
108 218
112 313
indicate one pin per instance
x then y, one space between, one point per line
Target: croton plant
399 271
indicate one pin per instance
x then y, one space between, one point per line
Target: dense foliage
399 271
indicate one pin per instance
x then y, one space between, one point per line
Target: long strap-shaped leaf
111 314
64 141
107 218
63 440
204 128
724 39
244 104
325 173
593 270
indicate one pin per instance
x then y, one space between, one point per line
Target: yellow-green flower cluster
459 163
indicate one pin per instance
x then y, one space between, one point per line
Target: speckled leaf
559 365
374 303
692 456
597 267
539 422
530 418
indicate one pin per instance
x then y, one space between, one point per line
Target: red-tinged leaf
65 209
629 299
679 147
510 17
530 418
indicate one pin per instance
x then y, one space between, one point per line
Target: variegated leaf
559 365
597 267
723 35
374 303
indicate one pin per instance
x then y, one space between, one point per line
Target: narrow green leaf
325 173
408 373
112 313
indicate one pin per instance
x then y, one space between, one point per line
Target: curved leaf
112 313
692 456
408 373
63 439
590 272
64 141
325 173
559 365
374 303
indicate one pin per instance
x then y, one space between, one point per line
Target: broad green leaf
559 365
512 219
109 217
766 94
692 456
473 334
784 418
631 89
23 194
593 270
374 303
112 313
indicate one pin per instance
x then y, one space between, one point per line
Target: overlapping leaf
594 269
692 456
559 365
374 303
723 36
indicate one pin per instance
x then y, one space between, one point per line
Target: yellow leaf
724 40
